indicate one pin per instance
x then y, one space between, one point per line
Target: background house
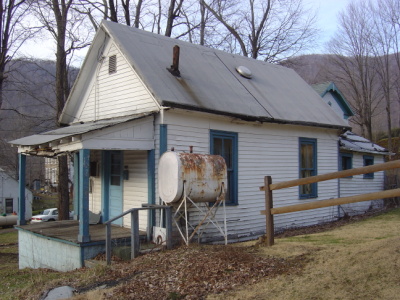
354 152
9 193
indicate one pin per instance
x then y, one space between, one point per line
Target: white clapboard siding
114 95
359 185
136 188
267 149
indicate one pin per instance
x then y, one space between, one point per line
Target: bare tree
13 33
354 58
383 43
271 30
65 25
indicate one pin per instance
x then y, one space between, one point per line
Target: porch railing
135 239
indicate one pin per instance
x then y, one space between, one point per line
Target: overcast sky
327 23
327 17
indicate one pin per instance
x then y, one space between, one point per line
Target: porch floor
69 230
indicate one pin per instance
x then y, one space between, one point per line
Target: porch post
151 167
84 166
76 186
21 186
105 185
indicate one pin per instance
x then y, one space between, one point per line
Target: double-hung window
346 161
368 161
226 144
308 166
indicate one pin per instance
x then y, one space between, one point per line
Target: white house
138 95
354 152
9 193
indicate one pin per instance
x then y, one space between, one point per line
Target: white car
50 214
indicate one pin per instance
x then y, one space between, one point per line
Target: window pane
225 144
217 146
307 156
115 180
307 166
228 153
9 206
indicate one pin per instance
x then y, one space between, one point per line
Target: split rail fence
268 187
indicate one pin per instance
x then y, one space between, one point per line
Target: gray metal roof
209 81
75 129
353 142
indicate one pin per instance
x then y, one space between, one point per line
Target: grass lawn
43 201
356 261
360 260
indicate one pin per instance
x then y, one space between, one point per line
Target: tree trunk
63 193
62 90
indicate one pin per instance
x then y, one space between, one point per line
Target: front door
116 185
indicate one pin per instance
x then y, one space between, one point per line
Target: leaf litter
193 272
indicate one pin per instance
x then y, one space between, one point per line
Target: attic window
112 64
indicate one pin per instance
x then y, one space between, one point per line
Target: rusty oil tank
203 175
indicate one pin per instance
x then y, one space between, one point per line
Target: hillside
28 108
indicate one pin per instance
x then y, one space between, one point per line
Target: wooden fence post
108 243
135 238
268 216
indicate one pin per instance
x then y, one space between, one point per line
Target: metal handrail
135 239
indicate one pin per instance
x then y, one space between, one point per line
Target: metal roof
353 142
209 81
73 130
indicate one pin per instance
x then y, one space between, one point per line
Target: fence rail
269 187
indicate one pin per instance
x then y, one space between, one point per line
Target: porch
56 245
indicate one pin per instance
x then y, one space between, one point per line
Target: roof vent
243 71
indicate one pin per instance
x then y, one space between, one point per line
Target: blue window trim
314 186
350 166
367 158
233 186
163 138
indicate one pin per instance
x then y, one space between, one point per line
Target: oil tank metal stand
196 184
207 211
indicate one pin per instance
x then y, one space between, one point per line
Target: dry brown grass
357 261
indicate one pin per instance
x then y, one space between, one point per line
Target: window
308 166
226 144
9 206
346 162
112 64
116 170
368 161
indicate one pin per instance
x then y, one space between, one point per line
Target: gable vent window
112 64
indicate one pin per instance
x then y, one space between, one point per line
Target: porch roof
46 142
353 142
